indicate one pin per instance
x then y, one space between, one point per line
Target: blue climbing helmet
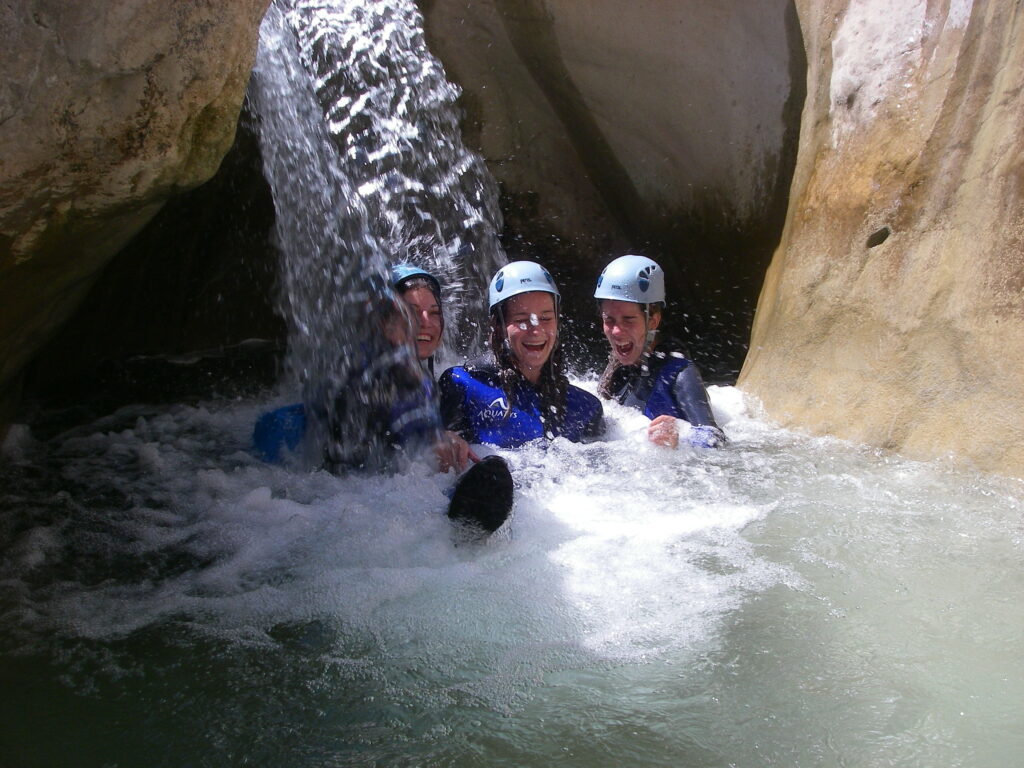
399 273
520 277
632 278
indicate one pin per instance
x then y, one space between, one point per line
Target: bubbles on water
197 529
631 576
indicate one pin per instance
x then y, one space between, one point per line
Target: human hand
452 451
663 430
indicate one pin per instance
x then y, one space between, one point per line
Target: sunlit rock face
664 128
106 110
893 312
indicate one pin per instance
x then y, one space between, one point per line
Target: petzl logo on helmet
499 282
643 278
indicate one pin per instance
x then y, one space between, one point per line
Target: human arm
452 452
452 399
691 396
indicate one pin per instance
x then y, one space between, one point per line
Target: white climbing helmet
520 277
632 278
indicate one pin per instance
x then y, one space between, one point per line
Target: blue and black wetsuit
665 382
387 406
474 405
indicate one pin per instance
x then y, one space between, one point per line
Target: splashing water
785 601
329 254
392 113
167 599
361 148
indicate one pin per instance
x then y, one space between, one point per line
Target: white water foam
607 537
785 600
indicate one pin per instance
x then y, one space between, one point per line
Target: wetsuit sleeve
595 427
453 414
413 418
692 398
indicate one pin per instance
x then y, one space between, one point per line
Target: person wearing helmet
386 406
519 391
645 371
397 409
421 292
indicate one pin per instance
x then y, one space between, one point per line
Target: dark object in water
482 499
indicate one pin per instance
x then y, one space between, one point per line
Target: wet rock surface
892 313
107 110
664 129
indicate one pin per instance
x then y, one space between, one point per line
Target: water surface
788 601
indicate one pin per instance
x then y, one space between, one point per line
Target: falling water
362 148
360 141
392 114
329 253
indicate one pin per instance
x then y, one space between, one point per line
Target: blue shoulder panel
483 415
279 430
661 400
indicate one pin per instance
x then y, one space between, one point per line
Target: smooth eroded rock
892 313
664 128
106 110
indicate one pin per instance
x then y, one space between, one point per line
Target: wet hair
553 384
386 310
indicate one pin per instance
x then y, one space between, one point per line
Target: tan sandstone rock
106 110
892 313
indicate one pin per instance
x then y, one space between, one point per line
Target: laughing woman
519 392
646 371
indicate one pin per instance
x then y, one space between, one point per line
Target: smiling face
531 327
626 328
428 322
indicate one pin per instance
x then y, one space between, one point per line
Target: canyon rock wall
892 313
106 111
664 128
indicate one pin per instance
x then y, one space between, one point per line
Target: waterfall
392 115
328 251
361 145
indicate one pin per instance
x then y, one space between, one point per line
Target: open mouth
624 350
534 346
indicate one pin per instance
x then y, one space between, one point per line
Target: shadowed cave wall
693 170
